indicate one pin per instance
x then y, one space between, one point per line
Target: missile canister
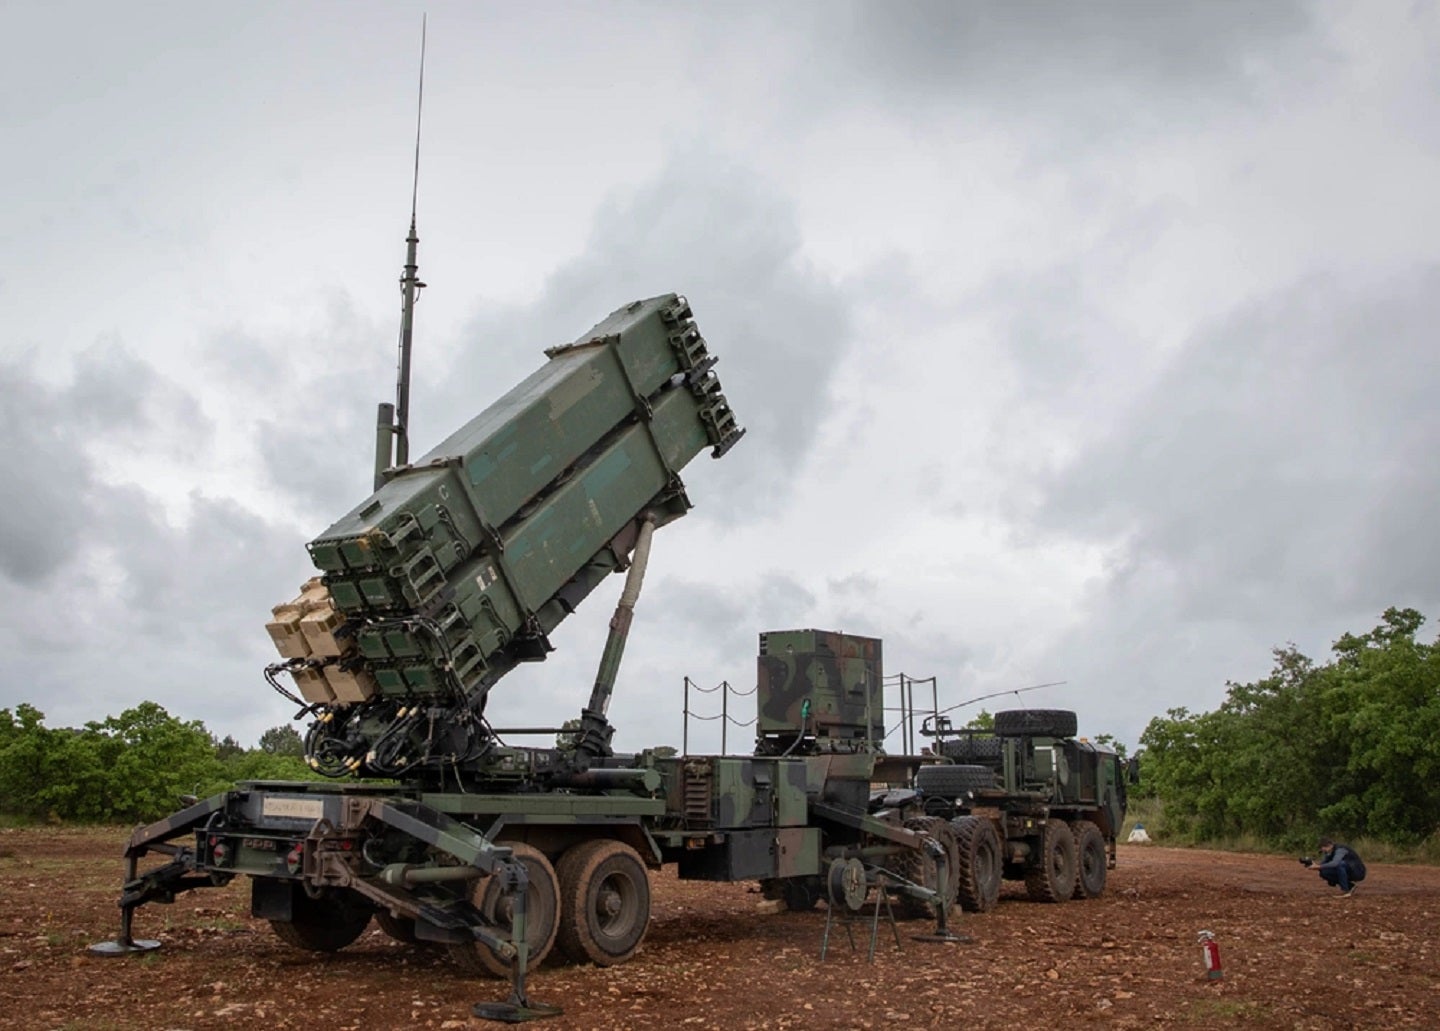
463 562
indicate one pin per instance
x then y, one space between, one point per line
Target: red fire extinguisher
1211 948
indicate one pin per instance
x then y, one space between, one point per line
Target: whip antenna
392 426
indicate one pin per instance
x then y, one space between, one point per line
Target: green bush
130 768
1350 748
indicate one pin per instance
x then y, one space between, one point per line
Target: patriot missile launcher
459 567
454 571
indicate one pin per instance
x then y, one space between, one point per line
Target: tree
161 759
1110 742
283 740
1351 747
982 720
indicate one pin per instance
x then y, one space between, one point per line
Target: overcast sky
1091 343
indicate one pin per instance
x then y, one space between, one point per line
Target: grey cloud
782 599
1103 64
1274 485
1274 463
175 612
713 231
860 585
216 576
315 392
47 478
56 498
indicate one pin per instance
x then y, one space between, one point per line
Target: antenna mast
392 429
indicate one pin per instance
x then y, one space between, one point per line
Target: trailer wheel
542 907
978 878
953 781
1036 722
604 902
800 894
943 831
326 924
401 928
1052 878
919 867
1091 861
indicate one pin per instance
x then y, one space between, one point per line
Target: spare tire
953 781
1036 723
972 749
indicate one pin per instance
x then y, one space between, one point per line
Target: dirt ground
1294 956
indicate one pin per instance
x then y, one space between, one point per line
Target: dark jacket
1345 856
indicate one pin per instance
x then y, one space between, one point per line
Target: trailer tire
983 750
324 924
1052 877
1036 723
1091 860
604 902
919 867
953 781
542 910
401 928
800 894
944 832
978 878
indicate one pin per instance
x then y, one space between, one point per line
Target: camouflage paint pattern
824 687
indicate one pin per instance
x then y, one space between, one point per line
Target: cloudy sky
1091 343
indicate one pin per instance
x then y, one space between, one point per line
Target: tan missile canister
314 688
349 685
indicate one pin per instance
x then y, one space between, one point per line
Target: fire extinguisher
1211 949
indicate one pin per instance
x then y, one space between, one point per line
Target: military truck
1027 801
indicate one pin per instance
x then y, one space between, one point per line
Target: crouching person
1339 865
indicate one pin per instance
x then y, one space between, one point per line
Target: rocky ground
1294 956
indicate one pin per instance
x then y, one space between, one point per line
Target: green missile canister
463 562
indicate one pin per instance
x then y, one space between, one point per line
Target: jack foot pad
944 936
514 1012
124 948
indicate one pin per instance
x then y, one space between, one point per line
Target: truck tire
1052 877
953 781
1091 860
542 909
978 877
984 750
1036 723
326 924
604 902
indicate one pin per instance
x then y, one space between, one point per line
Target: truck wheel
1036 723
1090 860
401 928
978 879
984 750
326 924
604 902
542 908
1052 878
953 781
